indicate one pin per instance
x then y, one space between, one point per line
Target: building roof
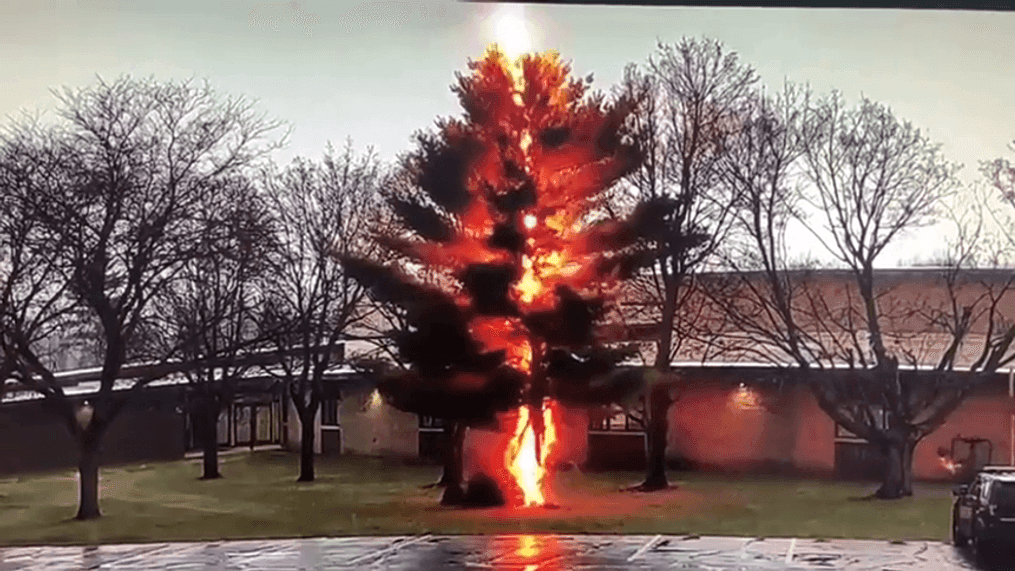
912 272
788 366
85 388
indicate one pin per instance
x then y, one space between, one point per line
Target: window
625 421
431 423
1003 494
329 412
880 421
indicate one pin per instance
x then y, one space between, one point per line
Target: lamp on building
745 398
84 415
373 402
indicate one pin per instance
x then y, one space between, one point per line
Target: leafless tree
1000 177
322 211
690 95
116 188
35 306
211 310
870 177
762 166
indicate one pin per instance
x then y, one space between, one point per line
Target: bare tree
34 303
762 166
1000 177
211 310
321 211
872 178
1000 173
690 96
118 186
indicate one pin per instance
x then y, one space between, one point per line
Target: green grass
259 498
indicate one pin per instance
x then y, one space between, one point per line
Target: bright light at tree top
511 30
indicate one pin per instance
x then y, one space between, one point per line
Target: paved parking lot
501 553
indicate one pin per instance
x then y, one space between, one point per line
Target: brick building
727 417
719 421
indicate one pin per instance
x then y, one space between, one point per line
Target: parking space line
743 548
789 552
644 548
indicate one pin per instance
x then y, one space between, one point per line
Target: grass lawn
258 498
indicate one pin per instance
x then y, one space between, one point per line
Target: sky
379 71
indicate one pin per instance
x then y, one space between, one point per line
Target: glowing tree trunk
502 211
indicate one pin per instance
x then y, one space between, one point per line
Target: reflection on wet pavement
500 553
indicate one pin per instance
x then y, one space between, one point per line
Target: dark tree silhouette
35 305
691 94
321 211
212 310
871 178
115 188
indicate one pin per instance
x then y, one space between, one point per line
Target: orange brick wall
707 429
981 416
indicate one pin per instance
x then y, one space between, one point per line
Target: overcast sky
377 72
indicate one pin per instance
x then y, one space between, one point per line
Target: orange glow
504 334
950 464
521 100
527 546
530 286
533 552
541 273
524 464
745 399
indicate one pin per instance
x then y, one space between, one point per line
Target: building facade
726 416
725 420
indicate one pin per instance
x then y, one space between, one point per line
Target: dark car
984 511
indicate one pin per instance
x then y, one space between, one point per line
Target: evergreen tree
507 259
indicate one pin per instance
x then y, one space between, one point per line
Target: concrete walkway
501 553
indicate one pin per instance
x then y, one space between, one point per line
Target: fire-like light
950 465
375 400
528 469
745 399
527 546
534 552
511 35
552 255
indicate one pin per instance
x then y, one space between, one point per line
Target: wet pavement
502 552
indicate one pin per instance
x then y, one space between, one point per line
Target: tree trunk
657 398
306 449
210 441
454 494
88 476
898 478
658 407
458 452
